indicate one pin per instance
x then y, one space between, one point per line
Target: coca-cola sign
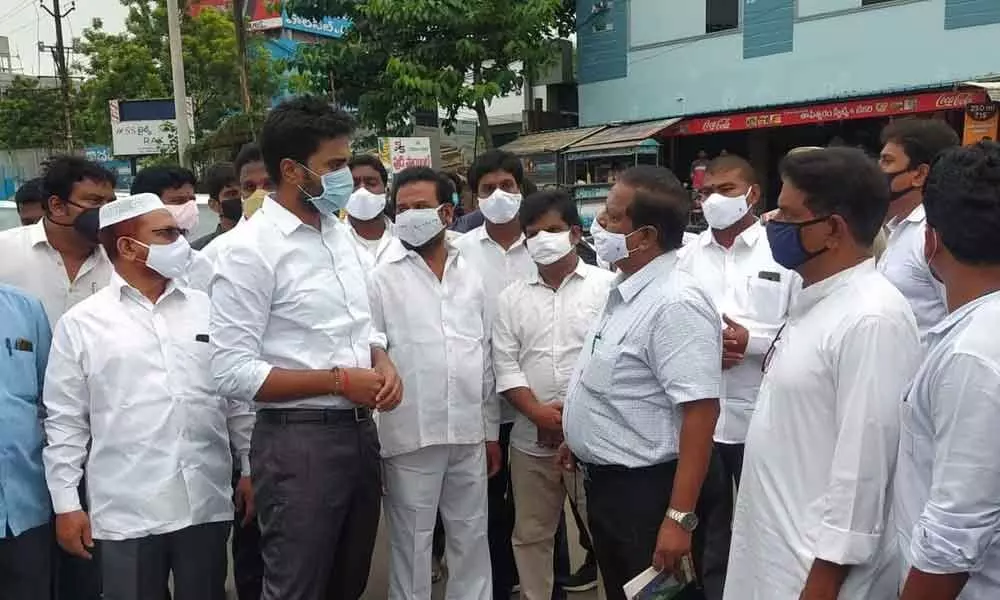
837 111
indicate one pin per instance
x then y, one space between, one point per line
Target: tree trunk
484 124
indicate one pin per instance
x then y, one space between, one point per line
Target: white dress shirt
131 379
657 345
903 263
498 268
376 252
438 337
947 492
822 443
537 338
290 296
746 285
29 262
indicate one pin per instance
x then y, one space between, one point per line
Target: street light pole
177 73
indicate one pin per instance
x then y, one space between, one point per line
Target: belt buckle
361 414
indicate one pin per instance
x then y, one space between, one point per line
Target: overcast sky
25 23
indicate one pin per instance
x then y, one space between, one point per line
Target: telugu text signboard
398 153
839 111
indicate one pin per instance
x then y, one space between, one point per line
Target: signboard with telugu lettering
398 153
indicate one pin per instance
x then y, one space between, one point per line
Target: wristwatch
687 520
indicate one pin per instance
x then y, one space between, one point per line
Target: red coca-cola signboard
839 111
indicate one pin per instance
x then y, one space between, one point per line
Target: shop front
595 161
764 136
541 153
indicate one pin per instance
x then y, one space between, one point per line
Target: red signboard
839 111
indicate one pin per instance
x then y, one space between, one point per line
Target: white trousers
452 478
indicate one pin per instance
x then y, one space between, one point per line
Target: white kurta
129 395
822 443
947 500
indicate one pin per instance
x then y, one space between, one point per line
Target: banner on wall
981 121
398 153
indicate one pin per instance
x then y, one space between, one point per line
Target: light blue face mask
337 188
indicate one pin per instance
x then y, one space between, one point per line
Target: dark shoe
585 578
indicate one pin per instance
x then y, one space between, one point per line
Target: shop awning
549 141
992 88
623 138
871 108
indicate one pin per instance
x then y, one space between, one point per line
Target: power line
16 9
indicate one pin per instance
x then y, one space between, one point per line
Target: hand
73 533
735 339
391 393
494 458
243 499
565 458
361 386
764 218
672 544
548 416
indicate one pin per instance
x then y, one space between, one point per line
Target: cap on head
129 207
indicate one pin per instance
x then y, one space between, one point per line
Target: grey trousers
318 491
139 569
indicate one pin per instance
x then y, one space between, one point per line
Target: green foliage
401 55
135 64
31 116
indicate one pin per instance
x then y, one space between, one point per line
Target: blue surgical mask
337 188
785 240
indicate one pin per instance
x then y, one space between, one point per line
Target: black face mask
88 223
232 208
894 195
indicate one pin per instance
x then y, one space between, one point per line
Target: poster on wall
981 120
398 153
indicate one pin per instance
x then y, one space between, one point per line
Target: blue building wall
785 51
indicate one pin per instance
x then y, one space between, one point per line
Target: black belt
590 469
313 416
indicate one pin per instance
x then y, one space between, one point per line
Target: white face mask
722 211
611 247
170 260
547 247
500 207
418 226
364 205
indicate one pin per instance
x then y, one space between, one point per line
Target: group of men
294 373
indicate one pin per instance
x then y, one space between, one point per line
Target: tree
400 55
31 116
136 64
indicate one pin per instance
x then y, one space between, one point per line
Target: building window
600 16
721 15
874 2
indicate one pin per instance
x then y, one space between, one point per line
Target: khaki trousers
540 489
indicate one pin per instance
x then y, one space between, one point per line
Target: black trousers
625 508
318 491
26 564
501 522
248 566
139 569
732 460
75 578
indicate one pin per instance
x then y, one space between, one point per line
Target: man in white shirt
128 392
733 261
496 250
291 328
538 333
431 305
59 261
812 515
370 226
643 399
947 491
909 148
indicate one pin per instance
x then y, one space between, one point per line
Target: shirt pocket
767 299
23 373
596 375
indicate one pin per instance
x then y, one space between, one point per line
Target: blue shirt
24 351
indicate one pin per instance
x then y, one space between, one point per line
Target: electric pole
180 90
62 68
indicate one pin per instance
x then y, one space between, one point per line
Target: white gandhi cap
129 207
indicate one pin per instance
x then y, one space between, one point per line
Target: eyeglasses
770 351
